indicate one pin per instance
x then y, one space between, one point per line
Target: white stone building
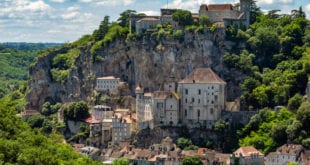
227 15
166 108
247 156
107 83
121 128
285 154
144 105
146 23
202 95
100 112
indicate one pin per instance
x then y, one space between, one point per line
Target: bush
66 60
306 143
183 142
192 160
60 76
178 34
295 101
77 111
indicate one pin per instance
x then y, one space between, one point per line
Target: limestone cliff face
147 62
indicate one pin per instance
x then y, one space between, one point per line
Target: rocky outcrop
147 62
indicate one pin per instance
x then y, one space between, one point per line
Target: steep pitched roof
219 7
247 151
203 75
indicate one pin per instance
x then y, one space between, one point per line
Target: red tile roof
203 75
219 7
91 121
247 151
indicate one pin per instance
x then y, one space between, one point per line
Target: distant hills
25 46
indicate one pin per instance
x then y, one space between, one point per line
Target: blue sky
68 20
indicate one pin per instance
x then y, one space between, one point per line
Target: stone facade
121 128
202 96
107 83
100 112
146 23
166 108
144 104
199 100
284 154
226 15
248 156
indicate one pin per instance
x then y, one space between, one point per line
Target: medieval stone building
198 101
225 15
202 95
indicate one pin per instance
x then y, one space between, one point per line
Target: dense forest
277 64
19 143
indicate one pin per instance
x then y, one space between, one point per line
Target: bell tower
245 7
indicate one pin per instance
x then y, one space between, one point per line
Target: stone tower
245 7
139 106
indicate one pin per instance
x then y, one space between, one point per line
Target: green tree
192 160
295 101
103 29
183 17
125 16
77 111
204 21
298 13
183 142
120 161
303 115
306 143
293 130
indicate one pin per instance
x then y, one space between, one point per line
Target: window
185 100
198 100
186 91
199 92
185 112
193 100
170 106
211 111
212 87
198 113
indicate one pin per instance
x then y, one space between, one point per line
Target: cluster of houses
167 153
222 15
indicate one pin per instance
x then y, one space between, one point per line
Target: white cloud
269 2
32 6
73 8
192 5
70 15
307 10
85 1
58 1
114 3
150 12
